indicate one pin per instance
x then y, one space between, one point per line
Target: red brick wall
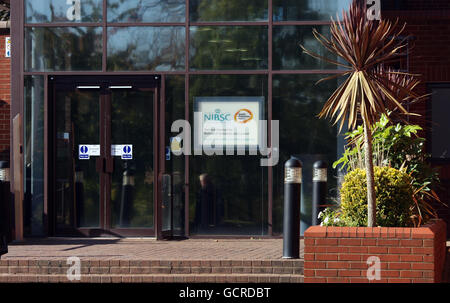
5 97
339 254
428 22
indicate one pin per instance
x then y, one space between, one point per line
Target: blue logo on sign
127 152
83 152
217 116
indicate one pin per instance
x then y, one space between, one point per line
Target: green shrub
393 192
398 146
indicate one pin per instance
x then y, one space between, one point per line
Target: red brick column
340 254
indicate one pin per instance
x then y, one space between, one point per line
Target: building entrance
105 166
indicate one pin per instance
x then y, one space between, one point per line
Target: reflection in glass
287 53
146 11
228 47
301 10
440 130
227 10
132 179
228 194
146 48
296 102
33 155
174 109
63 48
77 184
45 11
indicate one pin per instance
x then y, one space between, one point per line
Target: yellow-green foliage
393 192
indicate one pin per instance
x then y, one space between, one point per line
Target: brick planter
340 254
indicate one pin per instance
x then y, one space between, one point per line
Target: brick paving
148 260
148 249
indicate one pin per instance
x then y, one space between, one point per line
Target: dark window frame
19 24
104 24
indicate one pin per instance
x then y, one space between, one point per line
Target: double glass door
105 168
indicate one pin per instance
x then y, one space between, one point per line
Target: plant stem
371 199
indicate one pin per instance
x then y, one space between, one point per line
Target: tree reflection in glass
301 10
287 53
228 47
146 48
63 48
46 11
228 10
146 10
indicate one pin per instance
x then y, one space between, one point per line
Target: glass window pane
440 130
296 102
63 48
287 53
44 11
175 110
228 47
77 181
132 122
146 48
33 157
228 194
146 11
298 10
227 10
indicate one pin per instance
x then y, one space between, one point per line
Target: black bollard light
126 203
319 189
291 222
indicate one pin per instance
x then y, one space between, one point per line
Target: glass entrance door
104 156
132 181
77 181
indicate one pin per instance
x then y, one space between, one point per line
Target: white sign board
125 151
87 150
8 47
228 121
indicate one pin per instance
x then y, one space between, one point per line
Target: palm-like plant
369 90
